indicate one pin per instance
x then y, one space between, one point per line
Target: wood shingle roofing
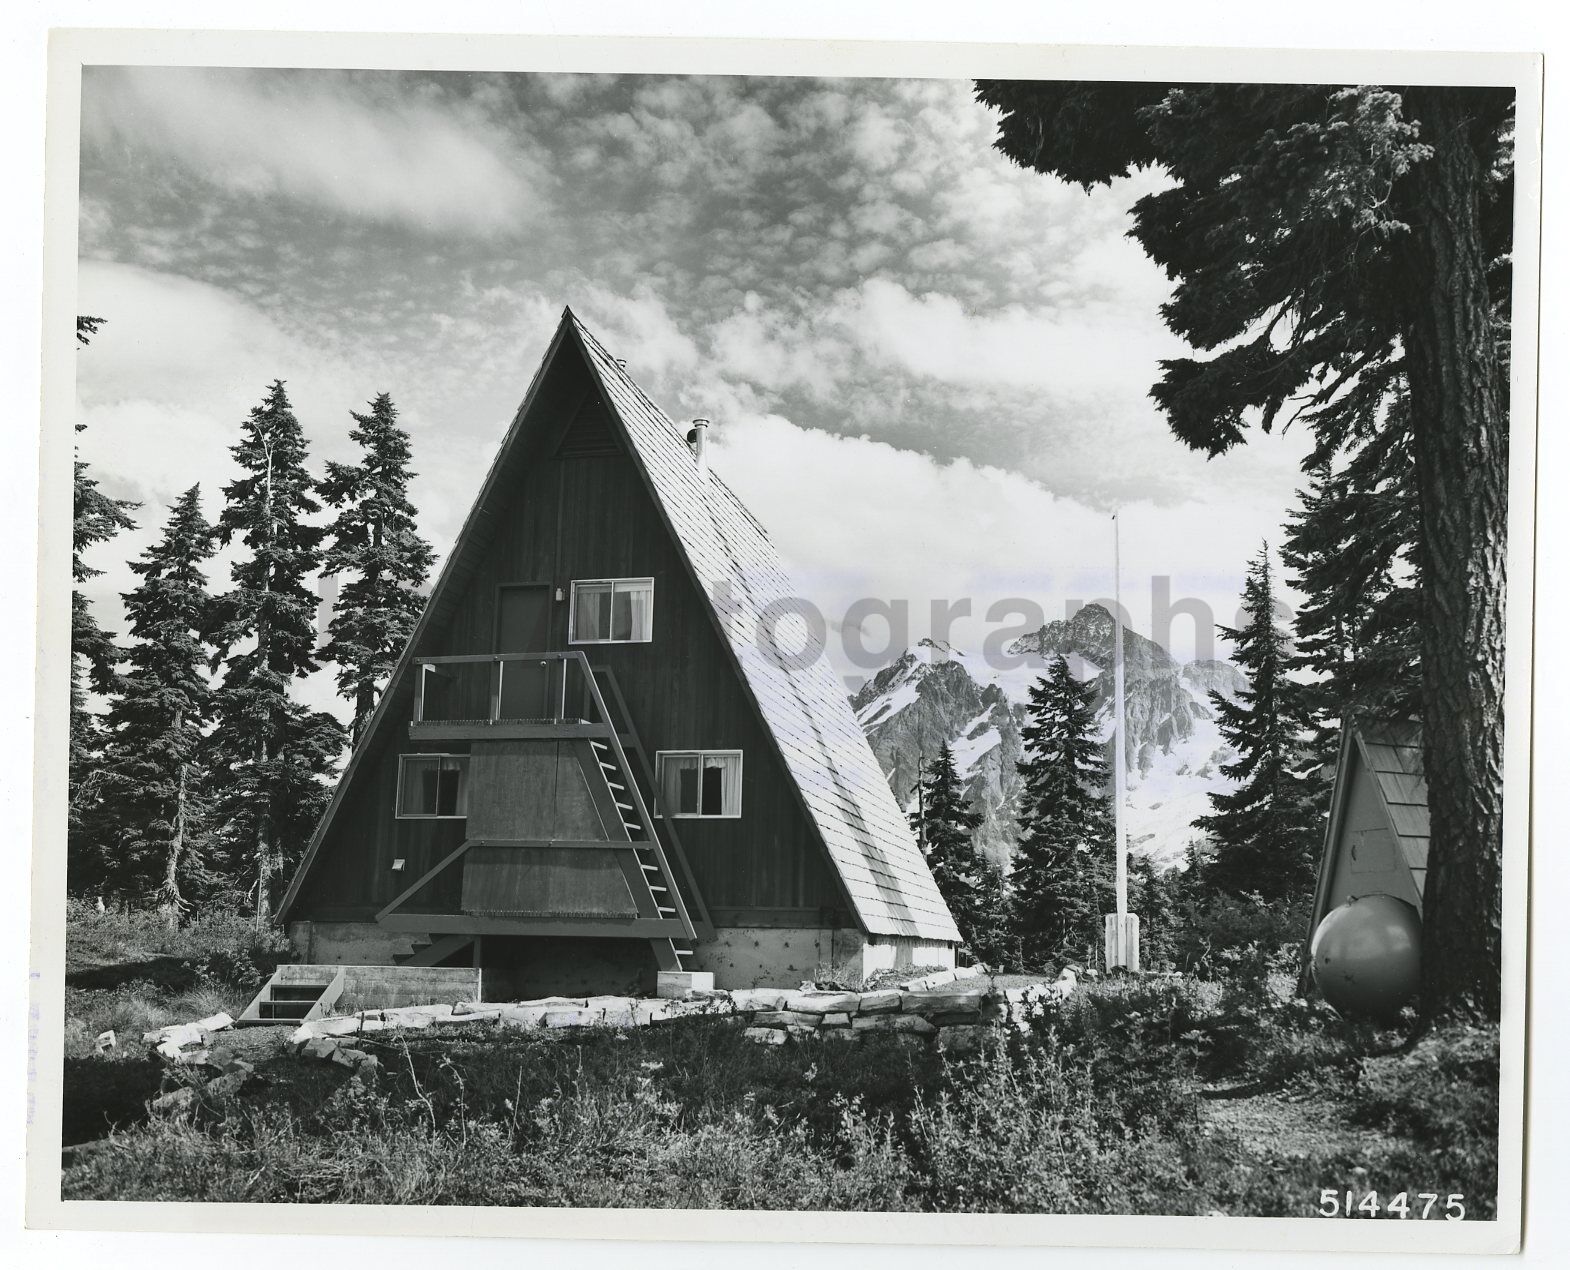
1393 751
801 702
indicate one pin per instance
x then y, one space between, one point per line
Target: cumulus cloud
928 533
1076 350
927 368
349 145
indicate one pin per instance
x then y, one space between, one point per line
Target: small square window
433 786
699 783
613 611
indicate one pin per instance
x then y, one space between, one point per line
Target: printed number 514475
1422 1206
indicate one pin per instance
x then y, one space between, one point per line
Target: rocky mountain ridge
934 693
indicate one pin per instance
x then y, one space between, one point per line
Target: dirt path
1283 1123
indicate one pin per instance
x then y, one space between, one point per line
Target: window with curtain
433 786
699 782
613 611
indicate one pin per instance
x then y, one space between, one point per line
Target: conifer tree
990 939
1264 832
1351 545
272 751
944 822
152 794
96 518
1065 822
374 543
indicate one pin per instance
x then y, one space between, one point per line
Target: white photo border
70 50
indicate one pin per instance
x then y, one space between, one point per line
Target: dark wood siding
590 516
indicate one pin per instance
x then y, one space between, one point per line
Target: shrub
228 949
1213 924
1444 1090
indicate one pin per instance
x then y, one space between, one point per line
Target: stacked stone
958 1021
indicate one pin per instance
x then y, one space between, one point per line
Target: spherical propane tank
1367 956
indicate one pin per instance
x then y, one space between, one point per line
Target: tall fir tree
1335 251
1351 546
945 823
151 783
1264 832
374 543
271 751
1065 843
96 518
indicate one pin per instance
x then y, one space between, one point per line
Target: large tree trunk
264 847
1460 438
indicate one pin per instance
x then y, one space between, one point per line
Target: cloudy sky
927 369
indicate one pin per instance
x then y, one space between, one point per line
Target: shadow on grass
173 974
100 1095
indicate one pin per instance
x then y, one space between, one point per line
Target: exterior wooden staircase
433 950
626 787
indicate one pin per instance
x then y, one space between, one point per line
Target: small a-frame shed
1376 842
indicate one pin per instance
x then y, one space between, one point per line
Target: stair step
599 745
298 991
616 784
652 887
284 1009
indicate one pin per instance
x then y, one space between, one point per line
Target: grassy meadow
1153 1095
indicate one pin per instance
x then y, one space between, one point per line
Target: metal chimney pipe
698 439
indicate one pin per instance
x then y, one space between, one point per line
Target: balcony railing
523 688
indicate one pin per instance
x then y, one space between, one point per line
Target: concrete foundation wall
388 987
520 968
348 943
781 957
769 957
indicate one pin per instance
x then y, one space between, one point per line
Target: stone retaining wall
950 1009
954 1010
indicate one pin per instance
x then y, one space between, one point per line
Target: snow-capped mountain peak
934 694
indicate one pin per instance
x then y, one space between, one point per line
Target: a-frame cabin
600 754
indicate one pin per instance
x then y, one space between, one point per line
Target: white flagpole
1122 927
1120 724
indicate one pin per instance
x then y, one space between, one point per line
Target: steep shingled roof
1393 752
1388 755
804 706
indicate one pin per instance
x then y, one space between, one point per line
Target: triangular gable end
805 715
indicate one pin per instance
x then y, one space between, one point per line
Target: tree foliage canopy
375 543
1279 227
